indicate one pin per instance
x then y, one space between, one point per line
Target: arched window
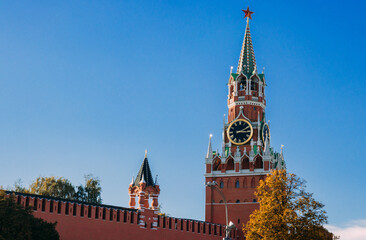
252 183
221 201
253 86
242 84
216 165
237 184
254 200
245 163
238 201
221 184
230 164
228 184
261 178
258 162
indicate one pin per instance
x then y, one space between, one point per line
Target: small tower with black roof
144 187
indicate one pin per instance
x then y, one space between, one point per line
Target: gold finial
145 153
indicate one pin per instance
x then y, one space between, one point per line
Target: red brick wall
72 225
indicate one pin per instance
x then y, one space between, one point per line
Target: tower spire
144 175
247 64
223 137
209 150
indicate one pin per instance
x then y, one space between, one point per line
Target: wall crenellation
61 210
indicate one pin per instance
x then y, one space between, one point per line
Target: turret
144 188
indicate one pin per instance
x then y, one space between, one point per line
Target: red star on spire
248 13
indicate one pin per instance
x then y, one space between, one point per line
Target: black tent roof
145 173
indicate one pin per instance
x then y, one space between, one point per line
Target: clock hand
245 128
242 131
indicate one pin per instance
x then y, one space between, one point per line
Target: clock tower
246 156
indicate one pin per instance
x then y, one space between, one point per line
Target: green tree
92 189
53 187
286 211
18 223
62 188
18 186
80 194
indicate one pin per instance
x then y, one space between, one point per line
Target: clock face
265 132
240 131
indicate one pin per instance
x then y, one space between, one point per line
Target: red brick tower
246 155
144 188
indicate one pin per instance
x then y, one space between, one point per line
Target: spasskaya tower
246 155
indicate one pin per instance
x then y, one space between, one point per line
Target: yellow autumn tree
53 187
286 211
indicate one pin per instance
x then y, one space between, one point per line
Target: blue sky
87 86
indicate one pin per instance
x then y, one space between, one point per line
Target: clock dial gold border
269 132
240 120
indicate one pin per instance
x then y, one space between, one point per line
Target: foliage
91 192
92 189
53 187
63 188
17 222
286 211
18 186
